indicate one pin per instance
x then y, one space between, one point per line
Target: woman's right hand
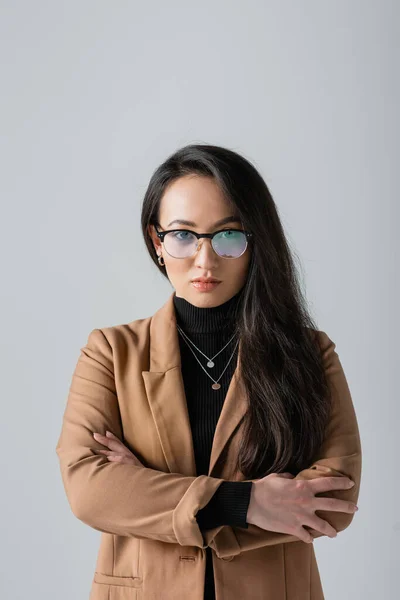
281 503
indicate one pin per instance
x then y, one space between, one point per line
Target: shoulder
116 338
321 338
330 358
326 345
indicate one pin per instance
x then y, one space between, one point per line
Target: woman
211 442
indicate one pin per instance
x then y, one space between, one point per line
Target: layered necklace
210 360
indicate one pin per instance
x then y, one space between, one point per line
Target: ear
156 240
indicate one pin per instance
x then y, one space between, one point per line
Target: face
198 199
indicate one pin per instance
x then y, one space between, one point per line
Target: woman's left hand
117 452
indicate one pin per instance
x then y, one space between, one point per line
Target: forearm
228 506
136 501
237 540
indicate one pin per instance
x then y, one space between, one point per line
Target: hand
118 451
279 502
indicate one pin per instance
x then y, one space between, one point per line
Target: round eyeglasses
182 243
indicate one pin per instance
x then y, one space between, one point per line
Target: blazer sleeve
340 456
123 499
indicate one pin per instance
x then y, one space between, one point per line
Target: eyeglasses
182 243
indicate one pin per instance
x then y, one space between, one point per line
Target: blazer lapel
166 395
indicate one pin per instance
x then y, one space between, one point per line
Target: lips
200 280
205 286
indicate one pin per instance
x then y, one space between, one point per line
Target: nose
205 256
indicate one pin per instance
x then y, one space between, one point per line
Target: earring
160 258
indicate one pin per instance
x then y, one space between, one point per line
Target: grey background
94 95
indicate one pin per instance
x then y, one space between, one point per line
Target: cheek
240 265
243 268
177 267
235 271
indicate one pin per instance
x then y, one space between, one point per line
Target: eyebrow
230 219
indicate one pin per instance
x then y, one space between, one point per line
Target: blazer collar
166 395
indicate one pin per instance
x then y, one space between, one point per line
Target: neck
213 319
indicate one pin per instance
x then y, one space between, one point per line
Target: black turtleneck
210 329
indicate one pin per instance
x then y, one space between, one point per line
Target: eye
182 235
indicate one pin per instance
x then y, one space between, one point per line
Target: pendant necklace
210 363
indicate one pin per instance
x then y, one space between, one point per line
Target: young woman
211 442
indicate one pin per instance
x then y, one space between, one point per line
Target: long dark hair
282 374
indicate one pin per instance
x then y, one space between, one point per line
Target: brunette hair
282 374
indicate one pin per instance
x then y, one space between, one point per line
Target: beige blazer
128 380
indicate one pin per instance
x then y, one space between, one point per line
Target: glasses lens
180 244
230 244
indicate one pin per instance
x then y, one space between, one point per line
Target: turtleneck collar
213 319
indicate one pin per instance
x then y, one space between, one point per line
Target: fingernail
108 433
352 483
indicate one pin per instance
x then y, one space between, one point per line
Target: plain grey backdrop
94 95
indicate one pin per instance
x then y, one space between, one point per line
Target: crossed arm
133 500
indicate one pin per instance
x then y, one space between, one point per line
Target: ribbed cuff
228 506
